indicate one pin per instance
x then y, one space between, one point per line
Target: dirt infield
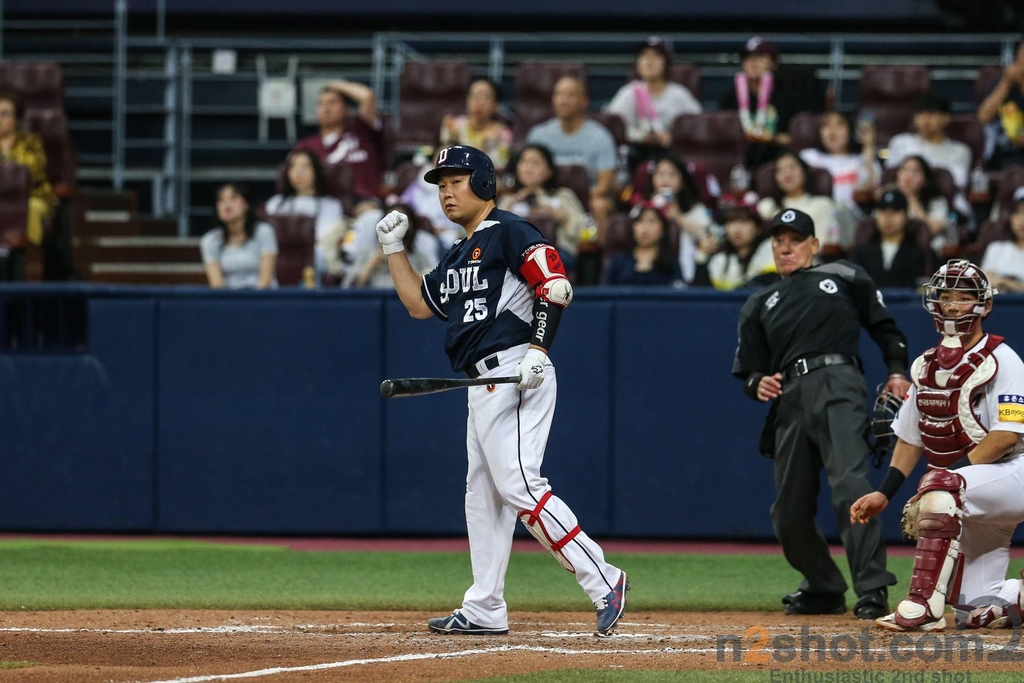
170 645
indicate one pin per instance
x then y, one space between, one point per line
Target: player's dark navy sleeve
519 236
431 289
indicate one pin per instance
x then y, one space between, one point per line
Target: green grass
200 575
5 666
629 676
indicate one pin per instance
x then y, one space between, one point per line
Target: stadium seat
52 126
889 92
803 128
943 179
688 75
1010 179
15 184
966 129
764 181
429 90
40 85
576 179
987 76
614 123
296 237
340 185
715 139
989 232
535 82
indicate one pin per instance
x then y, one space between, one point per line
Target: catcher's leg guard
936 569
532 521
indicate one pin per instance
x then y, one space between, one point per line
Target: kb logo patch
828 286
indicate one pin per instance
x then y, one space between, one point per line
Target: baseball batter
501 291
965 411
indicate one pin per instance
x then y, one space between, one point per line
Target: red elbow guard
543 270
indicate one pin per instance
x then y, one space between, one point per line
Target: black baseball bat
418 386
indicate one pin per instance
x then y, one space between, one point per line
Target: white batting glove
531 370
390 231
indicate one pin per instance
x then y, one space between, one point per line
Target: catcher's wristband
891 484
393 248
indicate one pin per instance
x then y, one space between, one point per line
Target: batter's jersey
814 311
1001 407
478 290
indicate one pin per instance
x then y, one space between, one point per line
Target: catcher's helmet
466 158
957 276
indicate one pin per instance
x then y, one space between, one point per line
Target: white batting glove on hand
531 369
390 231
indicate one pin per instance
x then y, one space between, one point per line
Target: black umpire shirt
814 311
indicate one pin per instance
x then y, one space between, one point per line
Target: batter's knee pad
937 570
532 521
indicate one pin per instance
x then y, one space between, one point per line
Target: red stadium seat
688 75
989 232
576 179
764 182
614 123
296 237
535 83
40 85
429 90
61 164
889 92
803 128
715 139
987 77
15 187
965 128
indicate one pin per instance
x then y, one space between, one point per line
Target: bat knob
387 389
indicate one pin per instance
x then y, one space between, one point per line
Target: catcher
964 412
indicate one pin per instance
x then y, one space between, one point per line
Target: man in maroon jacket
356 141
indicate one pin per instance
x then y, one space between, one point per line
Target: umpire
798 347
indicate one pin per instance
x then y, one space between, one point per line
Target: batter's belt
804 366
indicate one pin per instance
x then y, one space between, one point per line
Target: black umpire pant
822 422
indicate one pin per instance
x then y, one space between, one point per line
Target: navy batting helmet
466 158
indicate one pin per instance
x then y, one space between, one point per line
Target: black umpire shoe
804 602
873 604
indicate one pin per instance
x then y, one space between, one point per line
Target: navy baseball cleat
457 623
611 607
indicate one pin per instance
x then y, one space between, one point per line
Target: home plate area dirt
174 645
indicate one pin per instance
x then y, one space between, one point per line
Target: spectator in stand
650 261
1004 259
745 254
674 192
852 164
537 192
479 127
305 194
356 141
925 202
929 141
575 139
371 266
241 252
764 103
1002 114
834 225
892 257
26 149
650 104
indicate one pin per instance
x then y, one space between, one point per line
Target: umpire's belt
510 355
812 363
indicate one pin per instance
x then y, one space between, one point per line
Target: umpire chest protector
947 400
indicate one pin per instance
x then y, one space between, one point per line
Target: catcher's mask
958 276
887 404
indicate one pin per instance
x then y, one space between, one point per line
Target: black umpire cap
793 220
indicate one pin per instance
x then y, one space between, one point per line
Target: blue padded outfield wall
192 411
